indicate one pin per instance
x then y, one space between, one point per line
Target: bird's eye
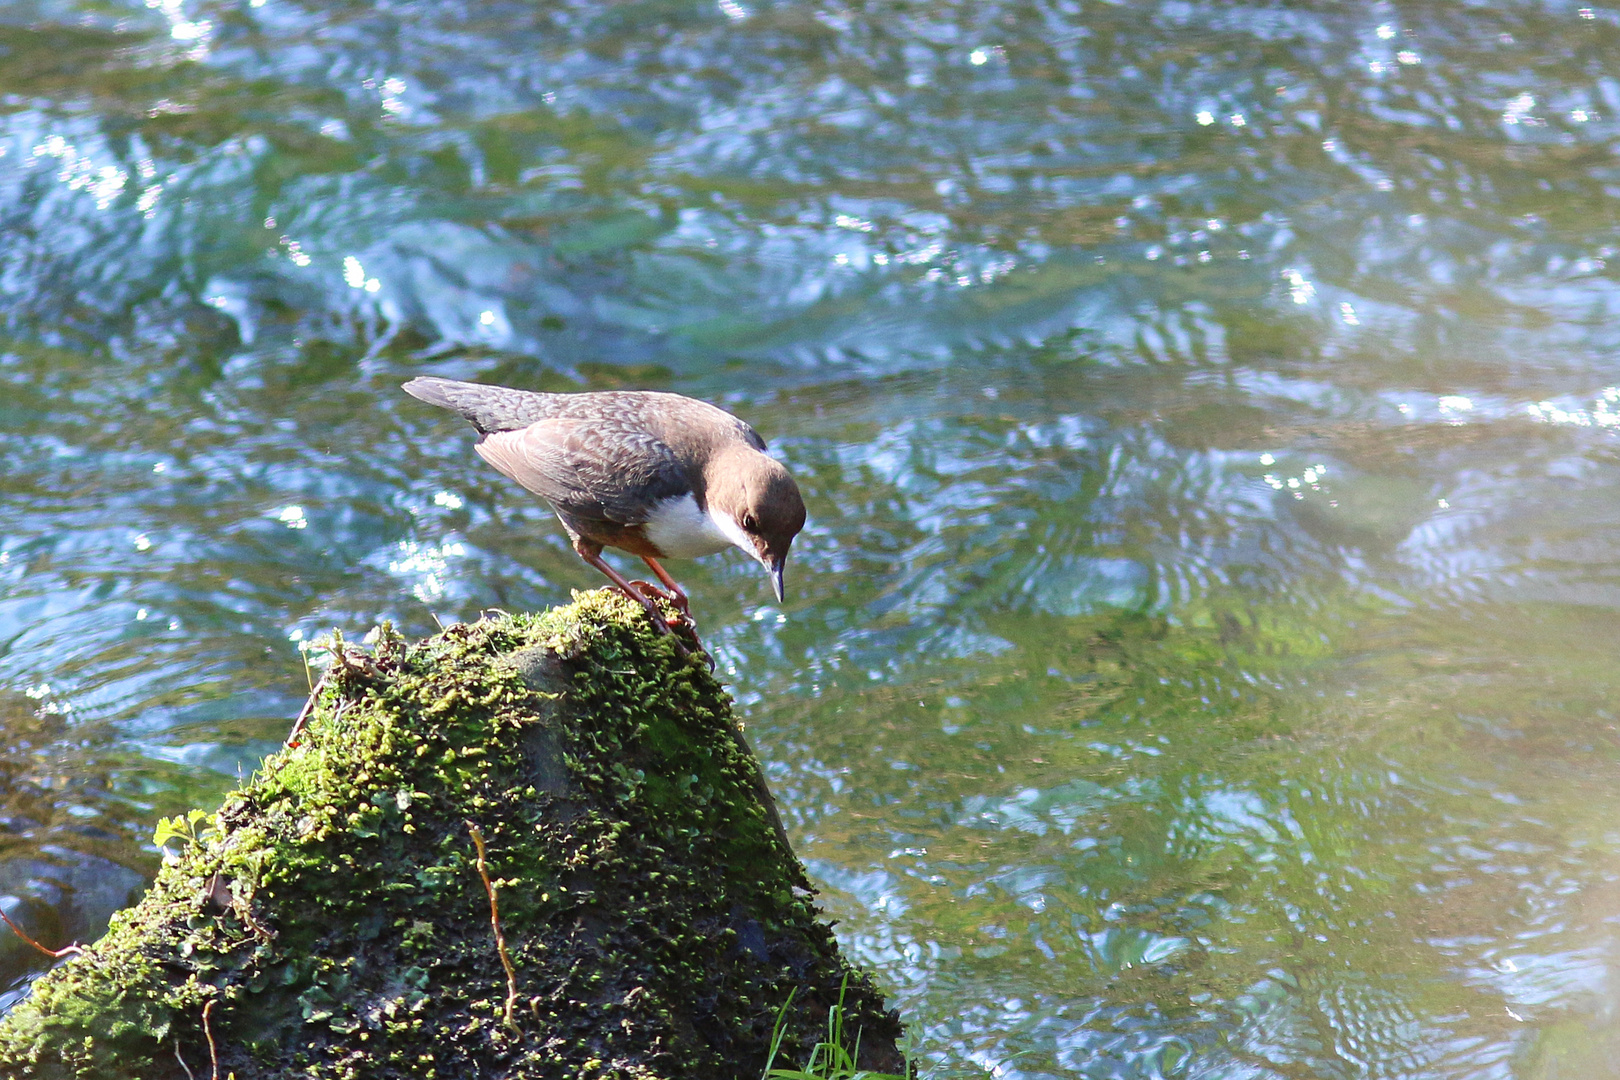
748 523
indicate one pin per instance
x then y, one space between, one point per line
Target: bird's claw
666 626
674 639
677 601
649 596
649 590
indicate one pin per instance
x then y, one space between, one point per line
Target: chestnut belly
675 529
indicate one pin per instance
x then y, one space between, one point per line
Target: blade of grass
779 1032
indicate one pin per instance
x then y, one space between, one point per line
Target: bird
658 475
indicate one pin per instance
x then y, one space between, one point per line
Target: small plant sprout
188 828
830 1059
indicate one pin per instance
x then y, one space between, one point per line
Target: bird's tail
487 408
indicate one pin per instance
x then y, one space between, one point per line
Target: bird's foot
647 596
663 626
668 626
661 623
649 590
672 591
652 592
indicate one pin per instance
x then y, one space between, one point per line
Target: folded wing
593 470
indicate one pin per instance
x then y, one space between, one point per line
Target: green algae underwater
334 923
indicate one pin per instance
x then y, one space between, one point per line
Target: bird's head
754 501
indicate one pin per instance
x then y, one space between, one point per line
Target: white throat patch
733 532
681 531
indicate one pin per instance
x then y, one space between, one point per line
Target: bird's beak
775 571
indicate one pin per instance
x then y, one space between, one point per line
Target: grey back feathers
589 470
606 457
499 408
487 408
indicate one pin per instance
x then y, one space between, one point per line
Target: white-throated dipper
658 475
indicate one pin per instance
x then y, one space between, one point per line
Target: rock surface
334 922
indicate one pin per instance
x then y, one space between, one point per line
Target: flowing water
1202 657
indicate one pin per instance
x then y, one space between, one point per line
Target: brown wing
596 470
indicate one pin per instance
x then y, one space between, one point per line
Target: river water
1202 657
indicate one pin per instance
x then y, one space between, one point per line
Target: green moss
655 918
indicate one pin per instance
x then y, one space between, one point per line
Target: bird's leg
592 554
676 596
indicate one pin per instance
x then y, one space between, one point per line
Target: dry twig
54 954
208 1030
495 922
304 713
189 1074
344 659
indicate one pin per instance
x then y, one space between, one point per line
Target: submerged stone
334 923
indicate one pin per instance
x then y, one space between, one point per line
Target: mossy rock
336 925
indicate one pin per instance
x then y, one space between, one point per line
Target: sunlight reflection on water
1200 658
